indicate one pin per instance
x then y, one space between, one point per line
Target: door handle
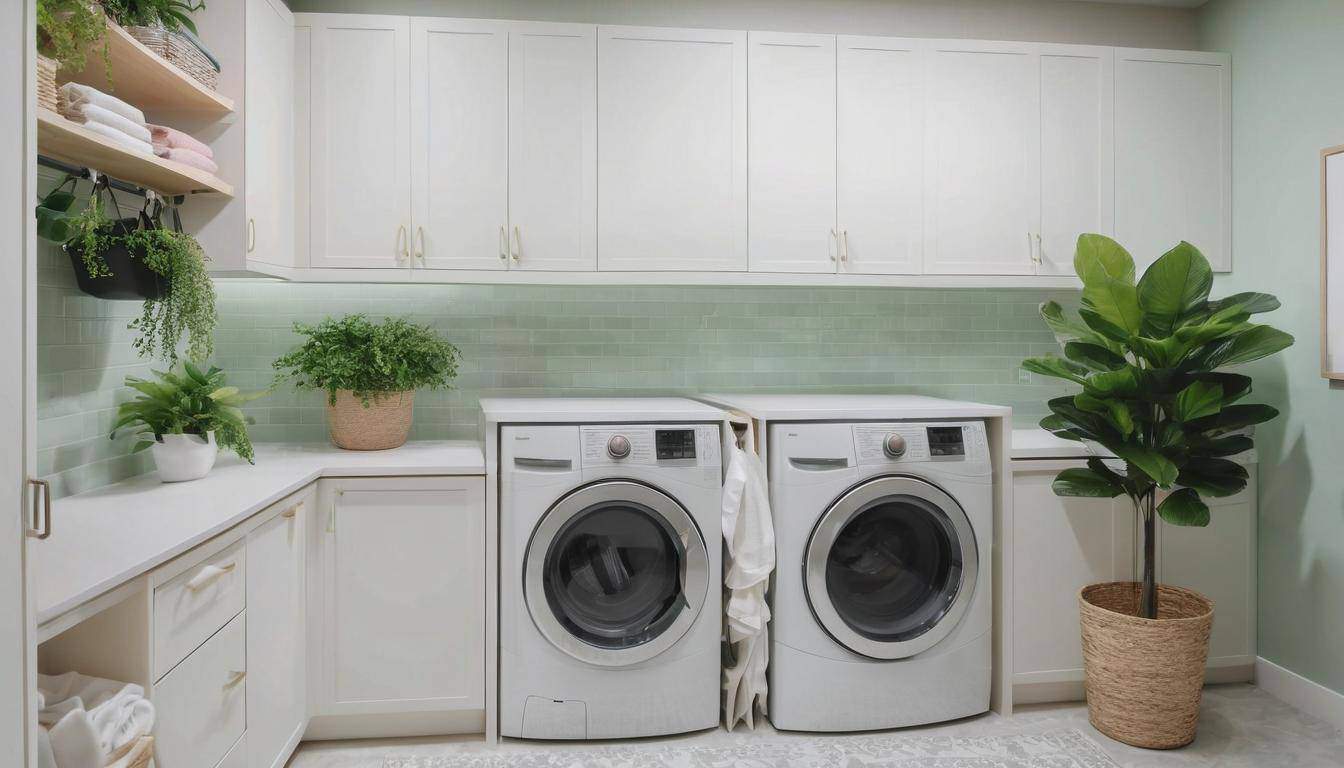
331 520
517 252
208 575
400 246
835 256
234 679
844 251
419 252
522 461
1039 258
41 509
812 463
292 511
503 245
251 235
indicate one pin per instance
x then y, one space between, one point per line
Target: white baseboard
1312 698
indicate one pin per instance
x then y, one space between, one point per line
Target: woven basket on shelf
385 423
134 755
46 82
1144 676
179 51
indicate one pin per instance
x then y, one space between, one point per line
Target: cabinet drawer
195 604
202 703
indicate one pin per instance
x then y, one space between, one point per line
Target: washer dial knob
894 445
618 447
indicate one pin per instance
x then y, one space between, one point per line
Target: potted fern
1150 359
186 416
370 372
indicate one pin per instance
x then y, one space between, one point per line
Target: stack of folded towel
89 722
105 115
175 145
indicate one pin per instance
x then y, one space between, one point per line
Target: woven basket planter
1144 677
385 423
179 51
46 83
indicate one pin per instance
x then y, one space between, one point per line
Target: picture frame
1332 263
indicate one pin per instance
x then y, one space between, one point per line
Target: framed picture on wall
1332 263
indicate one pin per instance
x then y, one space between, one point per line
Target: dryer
610 574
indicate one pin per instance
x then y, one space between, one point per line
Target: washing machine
882 599
610 572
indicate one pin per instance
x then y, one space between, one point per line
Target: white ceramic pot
184 457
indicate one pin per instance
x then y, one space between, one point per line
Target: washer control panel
883 443
647 445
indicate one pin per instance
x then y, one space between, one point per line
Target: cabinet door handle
292 511
331 520
251 235
503 245
517 253
235 678
400 246
208 575
41 509
1039 258
419 251
835 238
844 251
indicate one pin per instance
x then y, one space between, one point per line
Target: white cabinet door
983 158
552 159
672 159
403 624
276 646
268 116
880 154
459 110
1059 545
791 148
360 185
1077 148
1173 153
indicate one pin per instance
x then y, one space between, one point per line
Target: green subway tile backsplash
555 340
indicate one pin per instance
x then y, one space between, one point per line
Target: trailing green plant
88 230
368 358
172 14
66 29
187 309
187 401
1149 359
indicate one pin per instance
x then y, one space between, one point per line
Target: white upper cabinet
1077 167
880 154
672 159
359 128
792 152
459 142
552 160
1173 161
983 158
268 122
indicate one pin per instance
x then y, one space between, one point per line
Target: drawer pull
209 574
234 679
292 511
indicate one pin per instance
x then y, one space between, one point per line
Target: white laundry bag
749 534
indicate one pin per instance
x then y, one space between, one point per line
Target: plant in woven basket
1149 358
187 401
67 29
171 14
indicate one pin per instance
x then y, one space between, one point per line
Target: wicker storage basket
1144 677
46 83
386 423
135 755
179 51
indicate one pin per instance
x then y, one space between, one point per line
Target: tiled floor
1240 727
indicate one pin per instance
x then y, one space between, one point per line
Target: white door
268 136
982 168
404 595
1173 153
672 163
791 151
360 193
1077 151
276 648
880 154
552 160
459 141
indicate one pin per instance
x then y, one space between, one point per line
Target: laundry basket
180 51
137 754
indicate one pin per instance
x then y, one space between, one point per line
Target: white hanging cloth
749 533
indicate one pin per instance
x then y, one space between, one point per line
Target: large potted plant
370 372
185 417
1149 359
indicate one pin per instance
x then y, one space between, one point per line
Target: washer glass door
616 572
891 567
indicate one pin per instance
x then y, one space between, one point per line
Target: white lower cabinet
202 704
400 595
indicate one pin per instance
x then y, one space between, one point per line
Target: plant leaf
1250 302
1121 383
1257 342
1184 507
1232 418
1197 401
1174 285
1107 272
1153 464
1223 446
1213 477
1056 367
1093 356
1080 481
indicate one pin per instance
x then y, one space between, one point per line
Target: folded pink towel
188 157
171 138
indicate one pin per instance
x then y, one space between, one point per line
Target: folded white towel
77 93
45 757
74 744
130 142
116 713
92 113
122 719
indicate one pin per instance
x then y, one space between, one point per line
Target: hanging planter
127 275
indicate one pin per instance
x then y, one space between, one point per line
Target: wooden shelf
146 80
71 142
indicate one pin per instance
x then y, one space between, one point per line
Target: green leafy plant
89 230
66 29
172 14
187 401
189 306
368 358
1148 357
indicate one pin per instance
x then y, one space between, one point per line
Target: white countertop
106 537
644 410
1036 443
837 407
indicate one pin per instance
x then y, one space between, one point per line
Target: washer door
891 566
615 573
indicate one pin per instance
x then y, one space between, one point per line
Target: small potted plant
370 372
185 417
1149 358
66 29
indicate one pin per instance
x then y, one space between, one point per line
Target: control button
894 446
618 447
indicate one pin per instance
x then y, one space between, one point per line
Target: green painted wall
1288 104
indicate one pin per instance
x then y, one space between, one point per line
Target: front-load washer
882 596
610 574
